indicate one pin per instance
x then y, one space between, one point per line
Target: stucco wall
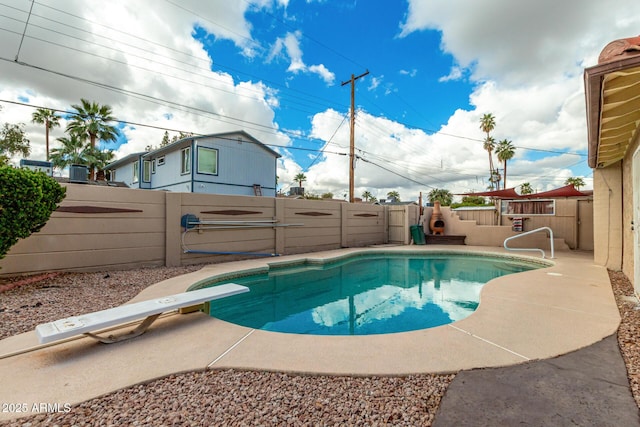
607 216
628 250
479 231
99 228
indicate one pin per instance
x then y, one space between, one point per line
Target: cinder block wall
99 228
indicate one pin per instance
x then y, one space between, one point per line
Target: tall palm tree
576 181
367 195
98 159
50 120
92 120
394 195
487 124
505 151
300 178
73 151
526 188
445 197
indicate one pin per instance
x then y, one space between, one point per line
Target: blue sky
274 68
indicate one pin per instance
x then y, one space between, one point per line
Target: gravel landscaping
232 397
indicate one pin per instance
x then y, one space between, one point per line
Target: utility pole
352 162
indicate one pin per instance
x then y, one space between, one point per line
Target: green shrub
27 199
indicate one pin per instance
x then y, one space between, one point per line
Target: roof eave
593 78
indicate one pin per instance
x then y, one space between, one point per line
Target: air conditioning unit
296 191
78 174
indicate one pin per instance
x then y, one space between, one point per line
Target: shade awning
510 193
566 191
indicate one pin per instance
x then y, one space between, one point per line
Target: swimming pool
362 294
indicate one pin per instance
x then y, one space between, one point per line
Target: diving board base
90 323
139 330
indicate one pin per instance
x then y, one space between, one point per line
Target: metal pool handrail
531 249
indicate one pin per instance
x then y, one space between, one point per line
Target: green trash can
418 234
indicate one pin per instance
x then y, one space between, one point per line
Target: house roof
123 161
225 135
510 193
99 182
612 92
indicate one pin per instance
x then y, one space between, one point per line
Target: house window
136 169
153 166
529 207
160 161
185 160
207 160
146 173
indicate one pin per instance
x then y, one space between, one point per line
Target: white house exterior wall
241 164
124 174
168 176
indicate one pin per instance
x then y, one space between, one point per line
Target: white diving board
150 310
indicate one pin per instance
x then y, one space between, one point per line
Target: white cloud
411 73
515 41
526 61
164 65
375 82
289 47
454 74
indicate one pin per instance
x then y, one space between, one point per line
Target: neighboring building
37 165
612 90
227 163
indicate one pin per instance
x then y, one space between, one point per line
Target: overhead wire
164 102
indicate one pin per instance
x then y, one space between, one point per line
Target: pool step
436 239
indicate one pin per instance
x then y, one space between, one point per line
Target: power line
127 122
25 30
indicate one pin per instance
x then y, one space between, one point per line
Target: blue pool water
364 294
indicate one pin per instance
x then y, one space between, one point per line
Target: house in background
612 91
232 163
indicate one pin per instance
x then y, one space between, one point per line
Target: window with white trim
529 207
207 160
161 161
185 160
153 166
136 171
146 171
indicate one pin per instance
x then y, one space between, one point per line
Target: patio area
534 315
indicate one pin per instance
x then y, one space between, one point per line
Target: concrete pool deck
527 316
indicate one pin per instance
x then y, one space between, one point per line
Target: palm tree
394 195
367 195
92 120
50 120
443 196
576 181
73 151
96 158
505 151
300 178
525 188
487 124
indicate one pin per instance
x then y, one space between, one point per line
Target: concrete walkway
588 387
535 315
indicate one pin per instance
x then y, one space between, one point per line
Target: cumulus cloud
524 60
154 76
289 47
